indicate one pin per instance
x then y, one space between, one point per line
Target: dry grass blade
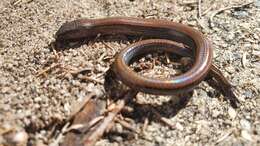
207 10
224 137
47 69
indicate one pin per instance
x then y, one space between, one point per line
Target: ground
33 102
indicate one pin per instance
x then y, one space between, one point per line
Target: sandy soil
31 105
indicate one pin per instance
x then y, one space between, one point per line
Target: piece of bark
91 111
103 126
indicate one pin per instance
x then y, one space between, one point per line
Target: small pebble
159 139
232 113
240 14
215 113
245 124
119 128
179 126
15 138
246 135
257 3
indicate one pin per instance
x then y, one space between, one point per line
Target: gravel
33 103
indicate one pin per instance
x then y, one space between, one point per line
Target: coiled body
165 34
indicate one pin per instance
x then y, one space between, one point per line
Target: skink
166 36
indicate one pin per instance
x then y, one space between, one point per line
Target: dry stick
91 140
224 9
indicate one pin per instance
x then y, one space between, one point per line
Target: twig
224 9
98 132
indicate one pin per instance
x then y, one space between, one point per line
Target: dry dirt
31 105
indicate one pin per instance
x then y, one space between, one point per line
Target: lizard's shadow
167 109
64 45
